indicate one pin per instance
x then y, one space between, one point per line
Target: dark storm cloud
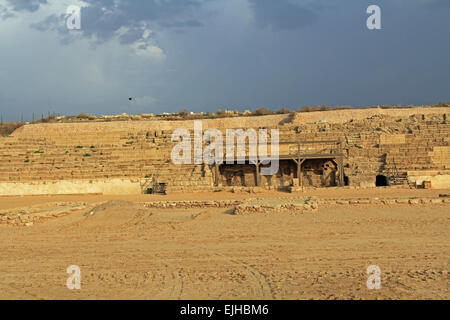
26 5
249 54
5 13
102 20
282 14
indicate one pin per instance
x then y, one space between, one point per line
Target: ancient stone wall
407 146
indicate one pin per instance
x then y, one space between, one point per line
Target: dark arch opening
319 172
381 181
346 182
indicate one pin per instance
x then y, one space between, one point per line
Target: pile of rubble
386 201
289 205
27 216
192 204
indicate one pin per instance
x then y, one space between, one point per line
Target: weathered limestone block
375 140
286 205
392 139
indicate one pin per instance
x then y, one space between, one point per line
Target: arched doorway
319 173
346 181
237 175
381 181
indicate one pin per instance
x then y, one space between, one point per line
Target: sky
205 55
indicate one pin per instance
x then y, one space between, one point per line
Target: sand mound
109 205
118 213
114 213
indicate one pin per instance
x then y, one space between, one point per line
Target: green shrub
183 113
262 112
316 108
324 108
83 116
441 105
343 107
305 109
283 111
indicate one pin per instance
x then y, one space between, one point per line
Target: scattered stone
27 216
288 205
388 201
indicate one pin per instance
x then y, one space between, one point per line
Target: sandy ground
333 192
127 251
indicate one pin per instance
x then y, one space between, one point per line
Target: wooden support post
258 177
300 163
341 171
216 169
297 163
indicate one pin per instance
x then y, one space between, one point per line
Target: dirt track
126 251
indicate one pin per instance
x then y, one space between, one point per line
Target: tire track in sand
259 282
173 288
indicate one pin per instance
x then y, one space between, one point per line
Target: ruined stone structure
347 147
